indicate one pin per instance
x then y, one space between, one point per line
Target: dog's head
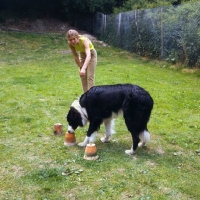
76 116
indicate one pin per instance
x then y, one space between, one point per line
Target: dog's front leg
91 133
87 140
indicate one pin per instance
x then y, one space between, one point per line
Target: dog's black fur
99 103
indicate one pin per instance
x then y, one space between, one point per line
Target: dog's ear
74 112
75 116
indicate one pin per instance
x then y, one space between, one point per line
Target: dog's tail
144 137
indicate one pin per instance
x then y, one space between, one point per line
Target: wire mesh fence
170 33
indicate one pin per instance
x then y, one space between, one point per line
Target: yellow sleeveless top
80 47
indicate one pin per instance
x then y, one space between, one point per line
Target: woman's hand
82 72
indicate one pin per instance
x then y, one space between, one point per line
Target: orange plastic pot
58 129
70 139
90 152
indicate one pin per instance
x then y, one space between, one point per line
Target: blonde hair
72 33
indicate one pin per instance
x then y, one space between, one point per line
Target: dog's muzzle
70 129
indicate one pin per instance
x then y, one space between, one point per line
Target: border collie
101 104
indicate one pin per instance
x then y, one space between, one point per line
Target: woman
86 59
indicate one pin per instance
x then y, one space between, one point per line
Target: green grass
39 81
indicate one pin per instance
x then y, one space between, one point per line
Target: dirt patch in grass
43 26
47 25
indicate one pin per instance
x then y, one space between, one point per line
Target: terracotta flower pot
70 139
90 152
58 129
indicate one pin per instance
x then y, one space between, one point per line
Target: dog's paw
142 144
105 139
129 152
82 144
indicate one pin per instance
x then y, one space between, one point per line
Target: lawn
39 81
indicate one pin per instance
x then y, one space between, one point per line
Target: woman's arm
87 59
76 58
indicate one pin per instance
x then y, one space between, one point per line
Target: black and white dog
101 104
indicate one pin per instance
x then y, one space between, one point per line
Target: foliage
170 33
64 9
32 8
184 23
39 80
67 9
143 4
76 8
